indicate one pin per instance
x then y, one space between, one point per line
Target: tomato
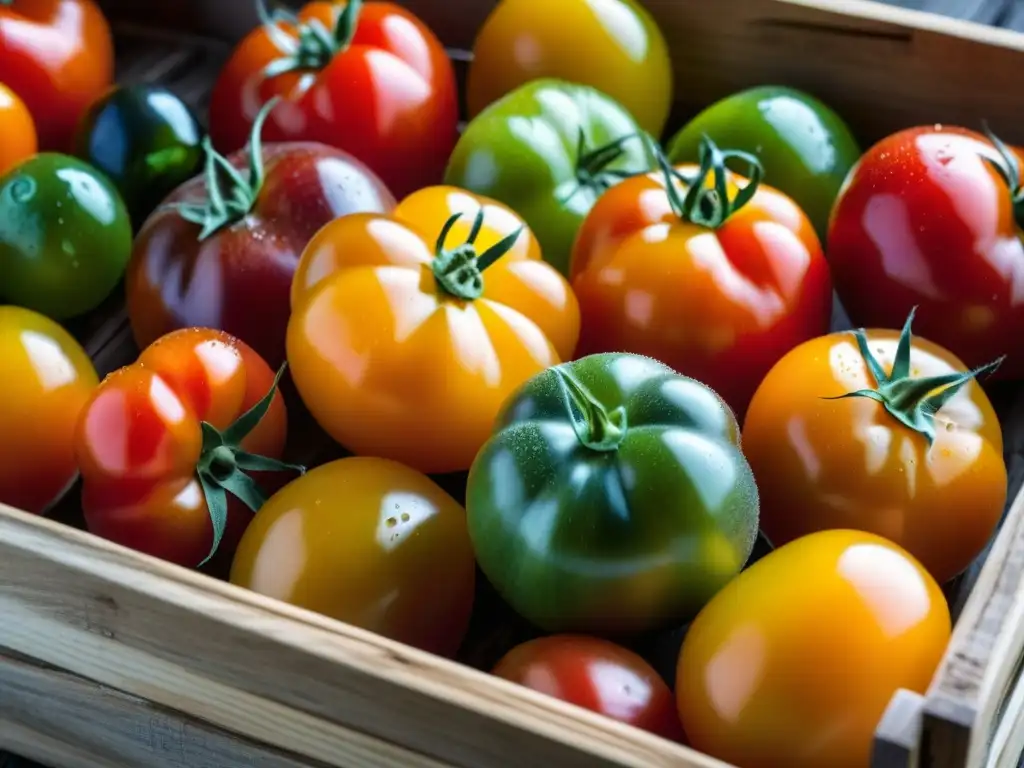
58 56
222 253
17 128
612 498
794 662
165 447
579 144
911 450
47 380
408 331
718 280
65 237
145 139
615 46
596 675
806 148
369 78
369 542
931 218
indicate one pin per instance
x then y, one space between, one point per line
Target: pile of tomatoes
590 364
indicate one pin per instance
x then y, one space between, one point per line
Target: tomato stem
911 401
592 165
596 427
1008 167
310 46
459 271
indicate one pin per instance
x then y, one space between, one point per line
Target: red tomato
369 78
596 675
931 217
164 446
58 56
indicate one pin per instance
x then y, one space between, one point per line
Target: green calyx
1008 167
596 427
230 195
911 401
223 465
459 271
312 46
592 165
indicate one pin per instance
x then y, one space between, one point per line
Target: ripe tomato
224 256
794 662
369 542
597 675
164 446
615 47
47 380
911 451
404 343
58 56
17 128
718 279
369 78
930 217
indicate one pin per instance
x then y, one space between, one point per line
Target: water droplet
405 517
950 426
391 522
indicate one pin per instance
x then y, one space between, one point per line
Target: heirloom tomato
165 447
931 217
47 380
369 542
612 45
368 78
879 432
58 56
222 250
145 139
408 331
17 128
612 497
712 274
65 236
805 148
548 150
794 662
597 675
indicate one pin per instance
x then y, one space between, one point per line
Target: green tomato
806 148
146 140
548 150
612 497
65 237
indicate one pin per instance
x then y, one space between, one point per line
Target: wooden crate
112 659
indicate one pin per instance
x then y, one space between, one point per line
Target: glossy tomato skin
390 364
65 236
48 380
597 675
848 463
923 220
58 56
794 662
721 306
615 47
239 279
139 441
18 129
369 542
389 98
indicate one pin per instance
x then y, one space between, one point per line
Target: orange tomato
17 128
47 381
924 468
794 662
405 349
369 542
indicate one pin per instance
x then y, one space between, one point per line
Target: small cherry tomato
795 661
47 381
369 542
165 447
881 432
597 675
17 128
409 331
369 78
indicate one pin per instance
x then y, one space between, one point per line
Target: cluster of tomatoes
621 351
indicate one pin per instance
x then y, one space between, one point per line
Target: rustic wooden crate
112 659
